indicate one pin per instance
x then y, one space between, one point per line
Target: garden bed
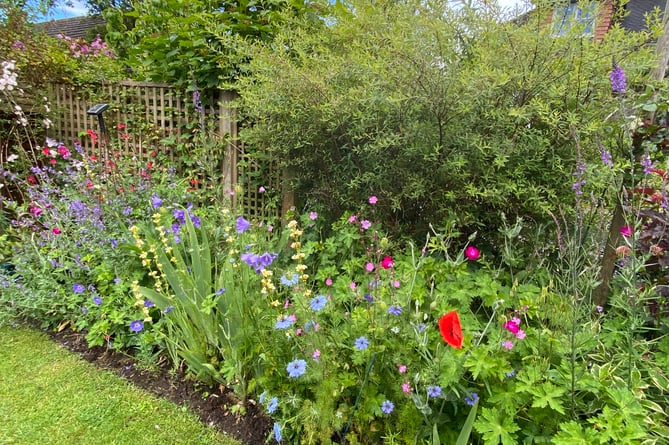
213 405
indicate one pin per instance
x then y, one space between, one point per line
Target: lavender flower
647 164
606 157
618 80
197 103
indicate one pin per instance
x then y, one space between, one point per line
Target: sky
76 8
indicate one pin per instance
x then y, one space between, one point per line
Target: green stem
357 399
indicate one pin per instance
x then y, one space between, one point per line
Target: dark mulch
212 404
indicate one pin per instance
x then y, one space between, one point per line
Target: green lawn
50 396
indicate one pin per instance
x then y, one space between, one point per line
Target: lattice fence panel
144 117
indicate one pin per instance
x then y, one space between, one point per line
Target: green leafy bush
443 114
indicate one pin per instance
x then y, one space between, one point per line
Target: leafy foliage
193 42
444 114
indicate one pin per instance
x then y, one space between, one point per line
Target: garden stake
357 399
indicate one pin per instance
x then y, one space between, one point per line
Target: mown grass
50 396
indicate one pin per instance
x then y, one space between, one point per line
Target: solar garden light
97 110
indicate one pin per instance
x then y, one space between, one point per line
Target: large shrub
441 113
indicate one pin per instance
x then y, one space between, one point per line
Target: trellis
144 118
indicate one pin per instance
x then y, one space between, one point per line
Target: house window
569 16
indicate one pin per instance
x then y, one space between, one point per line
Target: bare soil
214 405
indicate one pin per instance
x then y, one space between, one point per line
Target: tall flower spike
618 80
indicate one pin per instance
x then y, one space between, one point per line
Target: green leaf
573 434
549 395
463 438
496 427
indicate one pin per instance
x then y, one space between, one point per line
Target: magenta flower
365 224
387 262
369 267
472 253
626 231
507 344
402 368
373 200
512 326
328 281
313 216
406 387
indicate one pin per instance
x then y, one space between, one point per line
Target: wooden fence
143 118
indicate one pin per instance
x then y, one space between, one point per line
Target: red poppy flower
449 326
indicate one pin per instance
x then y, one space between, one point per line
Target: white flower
47 123
52 142
8 78
13 157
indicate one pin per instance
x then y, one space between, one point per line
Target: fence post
287 193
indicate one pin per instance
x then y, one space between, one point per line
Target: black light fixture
97 110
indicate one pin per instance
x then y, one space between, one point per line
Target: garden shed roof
75 27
